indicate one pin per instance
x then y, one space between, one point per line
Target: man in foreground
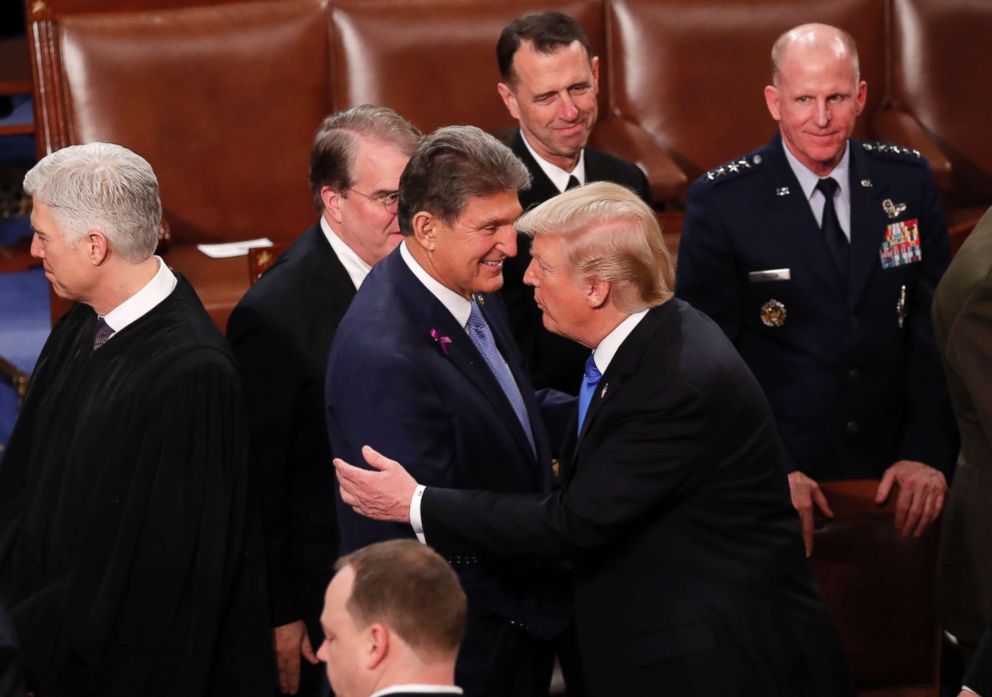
550 85
818 256
281 333
423 366
129 559
672 507
393 619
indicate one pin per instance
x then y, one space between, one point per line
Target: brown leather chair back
435 62
692 75
940 69
223 98
880 589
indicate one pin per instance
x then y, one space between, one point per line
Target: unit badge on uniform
901 245
773 313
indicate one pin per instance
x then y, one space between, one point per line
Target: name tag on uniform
768 275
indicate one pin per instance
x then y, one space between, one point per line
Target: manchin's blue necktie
482 336
589 382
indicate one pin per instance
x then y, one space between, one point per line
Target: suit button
854 374
852 427
853 322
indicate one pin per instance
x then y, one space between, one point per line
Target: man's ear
378 649
598 293
97 247
332 202
424 226
772 102
861 97
509 99
595 73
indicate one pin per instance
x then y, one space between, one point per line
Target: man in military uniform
792 250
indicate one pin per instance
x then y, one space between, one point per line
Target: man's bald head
811 38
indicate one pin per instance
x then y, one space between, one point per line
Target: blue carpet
24 319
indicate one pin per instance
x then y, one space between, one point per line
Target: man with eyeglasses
281 332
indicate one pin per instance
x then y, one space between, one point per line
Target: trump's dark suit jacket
552 360
690 576
281 332
962 316
404 377
853 389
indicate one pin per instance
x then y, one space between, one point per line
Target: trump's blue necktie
482 336
589 382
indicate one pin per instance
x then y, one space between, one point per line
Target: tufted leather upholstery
939 57
693 74
223 100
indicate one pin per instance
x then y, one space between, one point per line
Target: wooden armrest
261 258
626 139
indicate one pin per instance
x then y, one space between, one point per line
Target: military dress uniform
846 356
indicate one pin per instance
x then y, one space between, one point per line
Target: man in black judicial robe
129 557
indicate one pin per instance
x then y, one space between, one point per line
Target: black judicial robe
129 554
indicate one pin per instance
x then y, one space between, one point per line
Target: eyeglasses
388 200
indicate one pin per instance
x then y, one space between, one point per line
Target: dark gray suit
674 509
281 332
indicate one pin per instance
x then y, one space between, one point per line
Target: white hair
105 187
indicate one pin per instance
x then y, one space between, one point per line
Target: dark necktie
101 333
573 182
482 336
589 383
833 235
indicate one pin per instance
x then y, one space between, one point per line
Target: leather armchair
222 99
939 51
880 588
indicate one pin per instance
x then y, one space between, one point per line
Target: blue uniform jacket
850 369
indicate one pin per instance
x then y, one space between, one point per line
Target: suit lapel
462 353
868 223
792 222
328 271
625 363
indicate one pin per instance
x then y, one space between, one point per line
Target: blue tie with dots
482 336
589 383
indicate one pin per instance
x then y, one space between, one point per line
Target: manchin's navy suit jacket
552 360
690 575
851 389
404 377
281 332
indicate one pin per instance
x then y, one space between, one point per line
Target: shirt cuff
415 521
965 688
